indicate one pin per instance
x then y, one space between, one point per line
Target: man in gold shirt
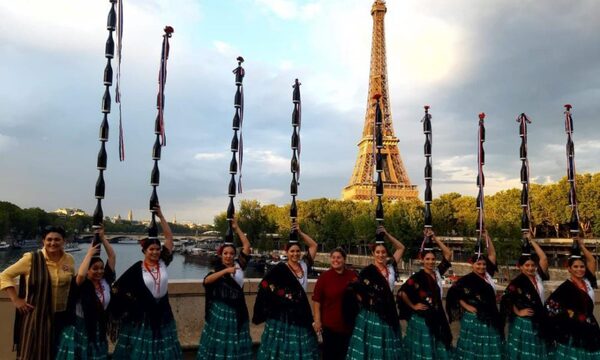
41 303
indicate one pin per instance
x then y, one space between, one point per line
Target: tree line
352 225
28 223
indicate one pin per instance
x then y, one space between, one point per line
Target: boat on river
72 247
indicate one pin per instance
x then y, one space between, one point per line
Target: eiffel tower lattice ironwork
397 185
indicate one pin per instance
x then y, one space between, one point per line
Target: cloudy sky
461 57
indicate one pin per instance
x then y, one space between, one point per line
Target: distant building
70 212
130 216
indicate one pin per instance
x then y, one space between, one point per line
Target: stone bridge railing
187 302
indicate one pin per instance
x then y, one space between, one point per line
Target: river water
182 267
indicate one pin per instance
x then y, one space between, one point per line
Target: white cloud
210 156
286 65
7 142
268 160
284 9
223 47
264 196
288 10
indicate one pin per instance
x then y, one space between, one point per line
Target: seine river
127 254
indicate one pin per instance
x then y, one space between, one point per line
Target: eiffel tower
396 183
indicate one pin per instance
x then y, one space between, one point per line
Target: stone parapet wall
187 302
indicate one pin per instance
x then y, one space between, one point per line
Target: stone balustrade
187 302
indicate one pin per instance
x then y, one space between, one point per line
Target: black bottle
230 209
106 101
235 143
524 196
100 186
153 199
231 188
294 186
104 129
236 120
109 52
379 186
98 216
102 158
379 210
427 216
155 175
427 147
294 165
111 22
524 220
233 165
108 74
293 209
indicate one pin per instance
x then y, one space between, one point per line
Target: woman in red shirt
327 306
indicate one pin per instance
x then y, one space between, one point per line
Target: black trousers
335 345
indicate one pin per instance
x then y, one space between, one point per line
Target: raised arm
242 236
543 262
110 252
398 246
590 262
166 229
491 250
310 243
446 252
85 263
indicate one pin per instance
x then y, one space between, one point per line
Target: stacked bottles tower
427 220
480 226
159 132
571 173
236 147
378 133
523 120
295 162
101 163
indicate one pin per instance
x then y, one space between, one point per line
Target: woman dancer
523 303
571 310
226 333
141 303
86 338
44 282
473 300
328 294
420 303
375 334
282 302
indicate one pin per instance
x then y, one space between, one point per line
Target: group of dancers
68 314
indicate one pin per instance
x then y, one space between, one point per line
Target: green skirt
420 344
478 340
372 338
283 341
567 352
135 342
524 342
221 338
75 344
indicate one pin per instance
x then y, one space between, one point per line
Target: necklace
152 271
100 292
300 271
580 285
384 272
